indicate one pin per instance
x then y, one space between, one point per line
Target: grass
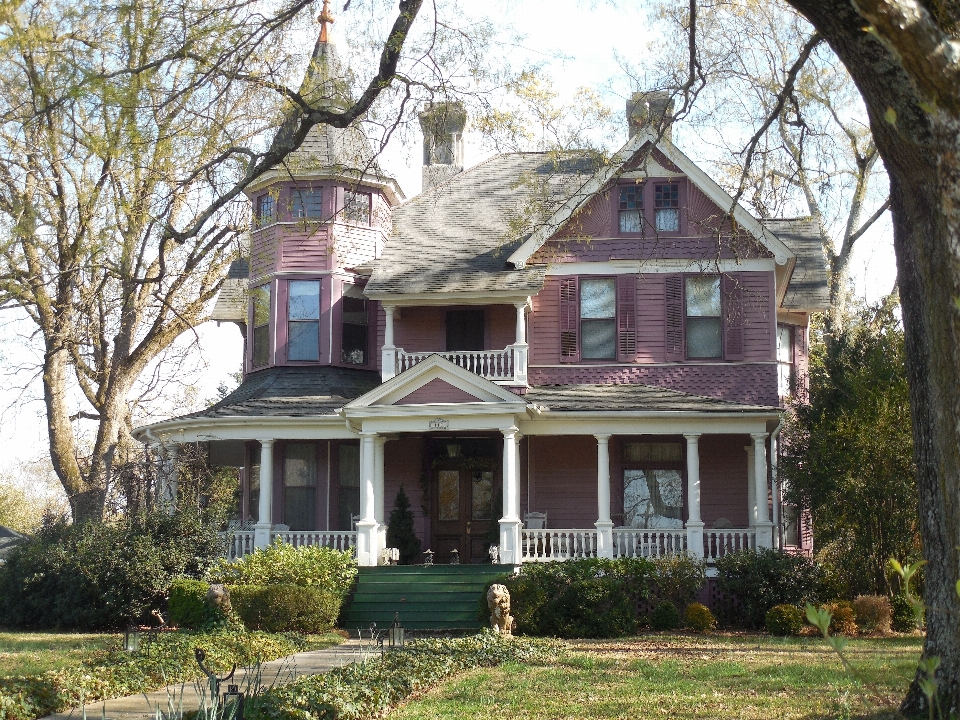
664 676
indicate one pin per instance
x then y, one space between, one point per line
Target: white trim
388 185
699 178
632 267
481 297
314 427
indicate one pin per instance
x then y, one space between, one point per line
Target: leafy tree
848 454
400 533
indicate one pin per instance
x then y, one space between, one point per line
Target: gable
437 391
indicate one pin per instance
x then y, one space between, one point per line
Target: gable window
702 317
356 207
784 360
303 320
652 485
307 203
598 318
264 210
631 209
260 299
666 204
354 330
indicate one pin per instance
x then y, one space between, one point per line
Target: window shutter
673 303
569 320
732 295
626 318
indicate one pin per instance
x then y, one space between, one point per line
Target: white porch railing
491 364
241 542
550 545
718 543
628 542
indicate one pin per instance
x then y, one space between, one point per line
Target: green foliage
903 619
679 577
115 673
665 616
285 608
842 618
752 582
283 564
95 575
699 618
188 606
591 597
784 620
400 533
848 454
873 613
369 689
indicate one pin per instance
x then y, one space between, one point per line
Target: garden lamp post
233 695
131 639
395 635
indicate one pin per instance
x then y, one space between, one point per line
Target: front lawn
30 653
662 676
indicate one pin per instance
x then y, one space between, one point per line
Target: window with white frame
631 209
598 318
303 320
704 323
356 207
265 210
785 362
666 205
260 300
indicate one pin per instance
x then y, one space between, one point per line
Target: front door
463 513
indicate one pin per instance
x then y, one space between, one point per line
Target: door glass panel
652 498
449 495
300 486
482 494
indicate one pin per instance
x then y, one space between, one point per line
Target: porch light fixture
131 639
235 697
428 557
395 634
453 449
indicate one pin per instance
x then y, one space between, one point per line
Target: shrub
95 576
369 689
679 577
188 603
284 564
873 613
904 620
591 597
843 621
752 582
665 617
400 532
699 618
285 608
784 620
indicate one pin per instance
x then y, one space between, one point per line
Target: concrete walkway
276 672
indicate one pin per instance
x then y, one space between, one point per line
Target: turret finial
325 18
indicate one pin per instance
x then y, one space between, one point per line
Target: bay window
264 210
260 300
303 320
356 207
307 203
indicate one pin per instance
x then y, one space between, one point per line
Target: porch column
510 522
603 524
764 526
694 523
520 347
367 536
388 353
379 442
261 531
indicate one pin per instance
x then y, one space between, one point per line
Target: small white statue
494 553
498 600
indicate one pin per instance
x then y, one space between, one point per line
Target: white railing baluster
491 364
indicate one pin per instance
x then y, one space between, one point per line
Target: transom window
666 203
307 203
356 207
631 208
653 487
598 318
260 299
353 338
303 320
265 207
702 316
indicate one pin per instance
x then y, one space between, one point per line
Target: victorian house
554 355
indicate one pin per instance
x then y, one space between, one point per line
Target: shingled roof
452 238
636 398
807 289
293 392
231 304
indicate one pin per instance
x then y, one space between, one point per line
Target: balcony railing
507 366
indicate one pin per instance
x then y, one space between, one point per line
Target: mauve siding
665 247
424 329
759 316
501 326
301 250
402 465
563 479
437 391
751 383
723 479
264 250
544 324
355 245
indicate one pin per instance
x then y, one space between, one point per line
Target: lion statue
498 600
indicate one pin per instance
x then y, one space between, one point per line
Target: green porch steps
428 597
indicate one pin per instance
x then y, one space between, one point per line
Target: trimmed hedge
592 597
368 689
188 604
285 608
665 616
698 618
115 673
284 564
784 620
873 613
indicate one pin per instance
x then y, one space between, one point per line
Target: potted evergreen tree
400 532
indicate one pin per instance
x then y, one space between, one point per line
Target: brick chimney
442 124
651 109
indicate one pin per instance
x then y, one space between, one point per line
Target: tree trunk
919 141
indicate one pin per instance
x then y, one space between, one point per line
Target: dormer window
631 209
307 204
303 320
356 207
265 207
666 205
260 299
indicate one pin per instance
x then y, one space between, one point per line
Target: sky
586 36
